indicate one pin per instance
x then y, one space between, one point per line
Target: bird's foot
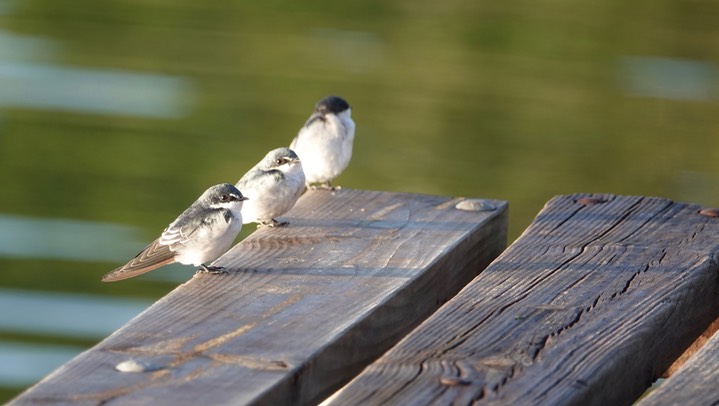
327 185
272 223
212 270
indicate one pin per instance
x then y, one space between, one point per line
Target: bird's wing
258 179
314 117
180 230
242 183
152 257
175 234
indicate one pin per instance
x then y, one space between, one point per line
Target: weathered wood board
588 306
303 309
695 383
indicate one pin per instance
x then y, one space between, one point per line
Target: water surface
116 115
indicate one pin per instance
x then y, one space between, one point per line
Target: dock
371 298
589 306
303 309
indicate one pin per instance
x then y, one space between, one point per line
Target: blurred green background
116 115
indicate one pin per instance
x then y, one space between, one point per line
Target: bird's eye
224 198
278 161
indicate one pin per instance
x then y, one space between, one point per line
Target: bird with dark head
199 235
324 143
274 184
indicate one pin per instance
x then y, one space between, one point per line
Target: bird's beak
241 198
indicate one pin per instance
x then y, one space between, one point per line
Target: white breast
325 147
209 243
273 199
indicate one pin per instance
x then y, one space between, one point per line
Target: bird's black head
278 157
222 193
332 104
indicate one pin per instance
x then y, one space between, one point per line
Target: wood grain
694 384
303 309
595 299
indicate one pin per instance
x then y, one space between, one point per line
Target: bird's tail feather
152 257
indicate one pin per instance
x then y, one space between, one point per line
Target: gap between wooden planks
593 302
302 310
695 381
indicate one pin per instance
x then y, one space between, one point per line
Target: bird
324 143
274 184
199 235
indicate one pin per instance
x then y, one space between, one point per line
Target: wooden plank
588 306
695 383
304 308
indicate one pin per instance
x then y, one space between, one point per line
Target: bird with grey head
324 143
199 235
274 185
